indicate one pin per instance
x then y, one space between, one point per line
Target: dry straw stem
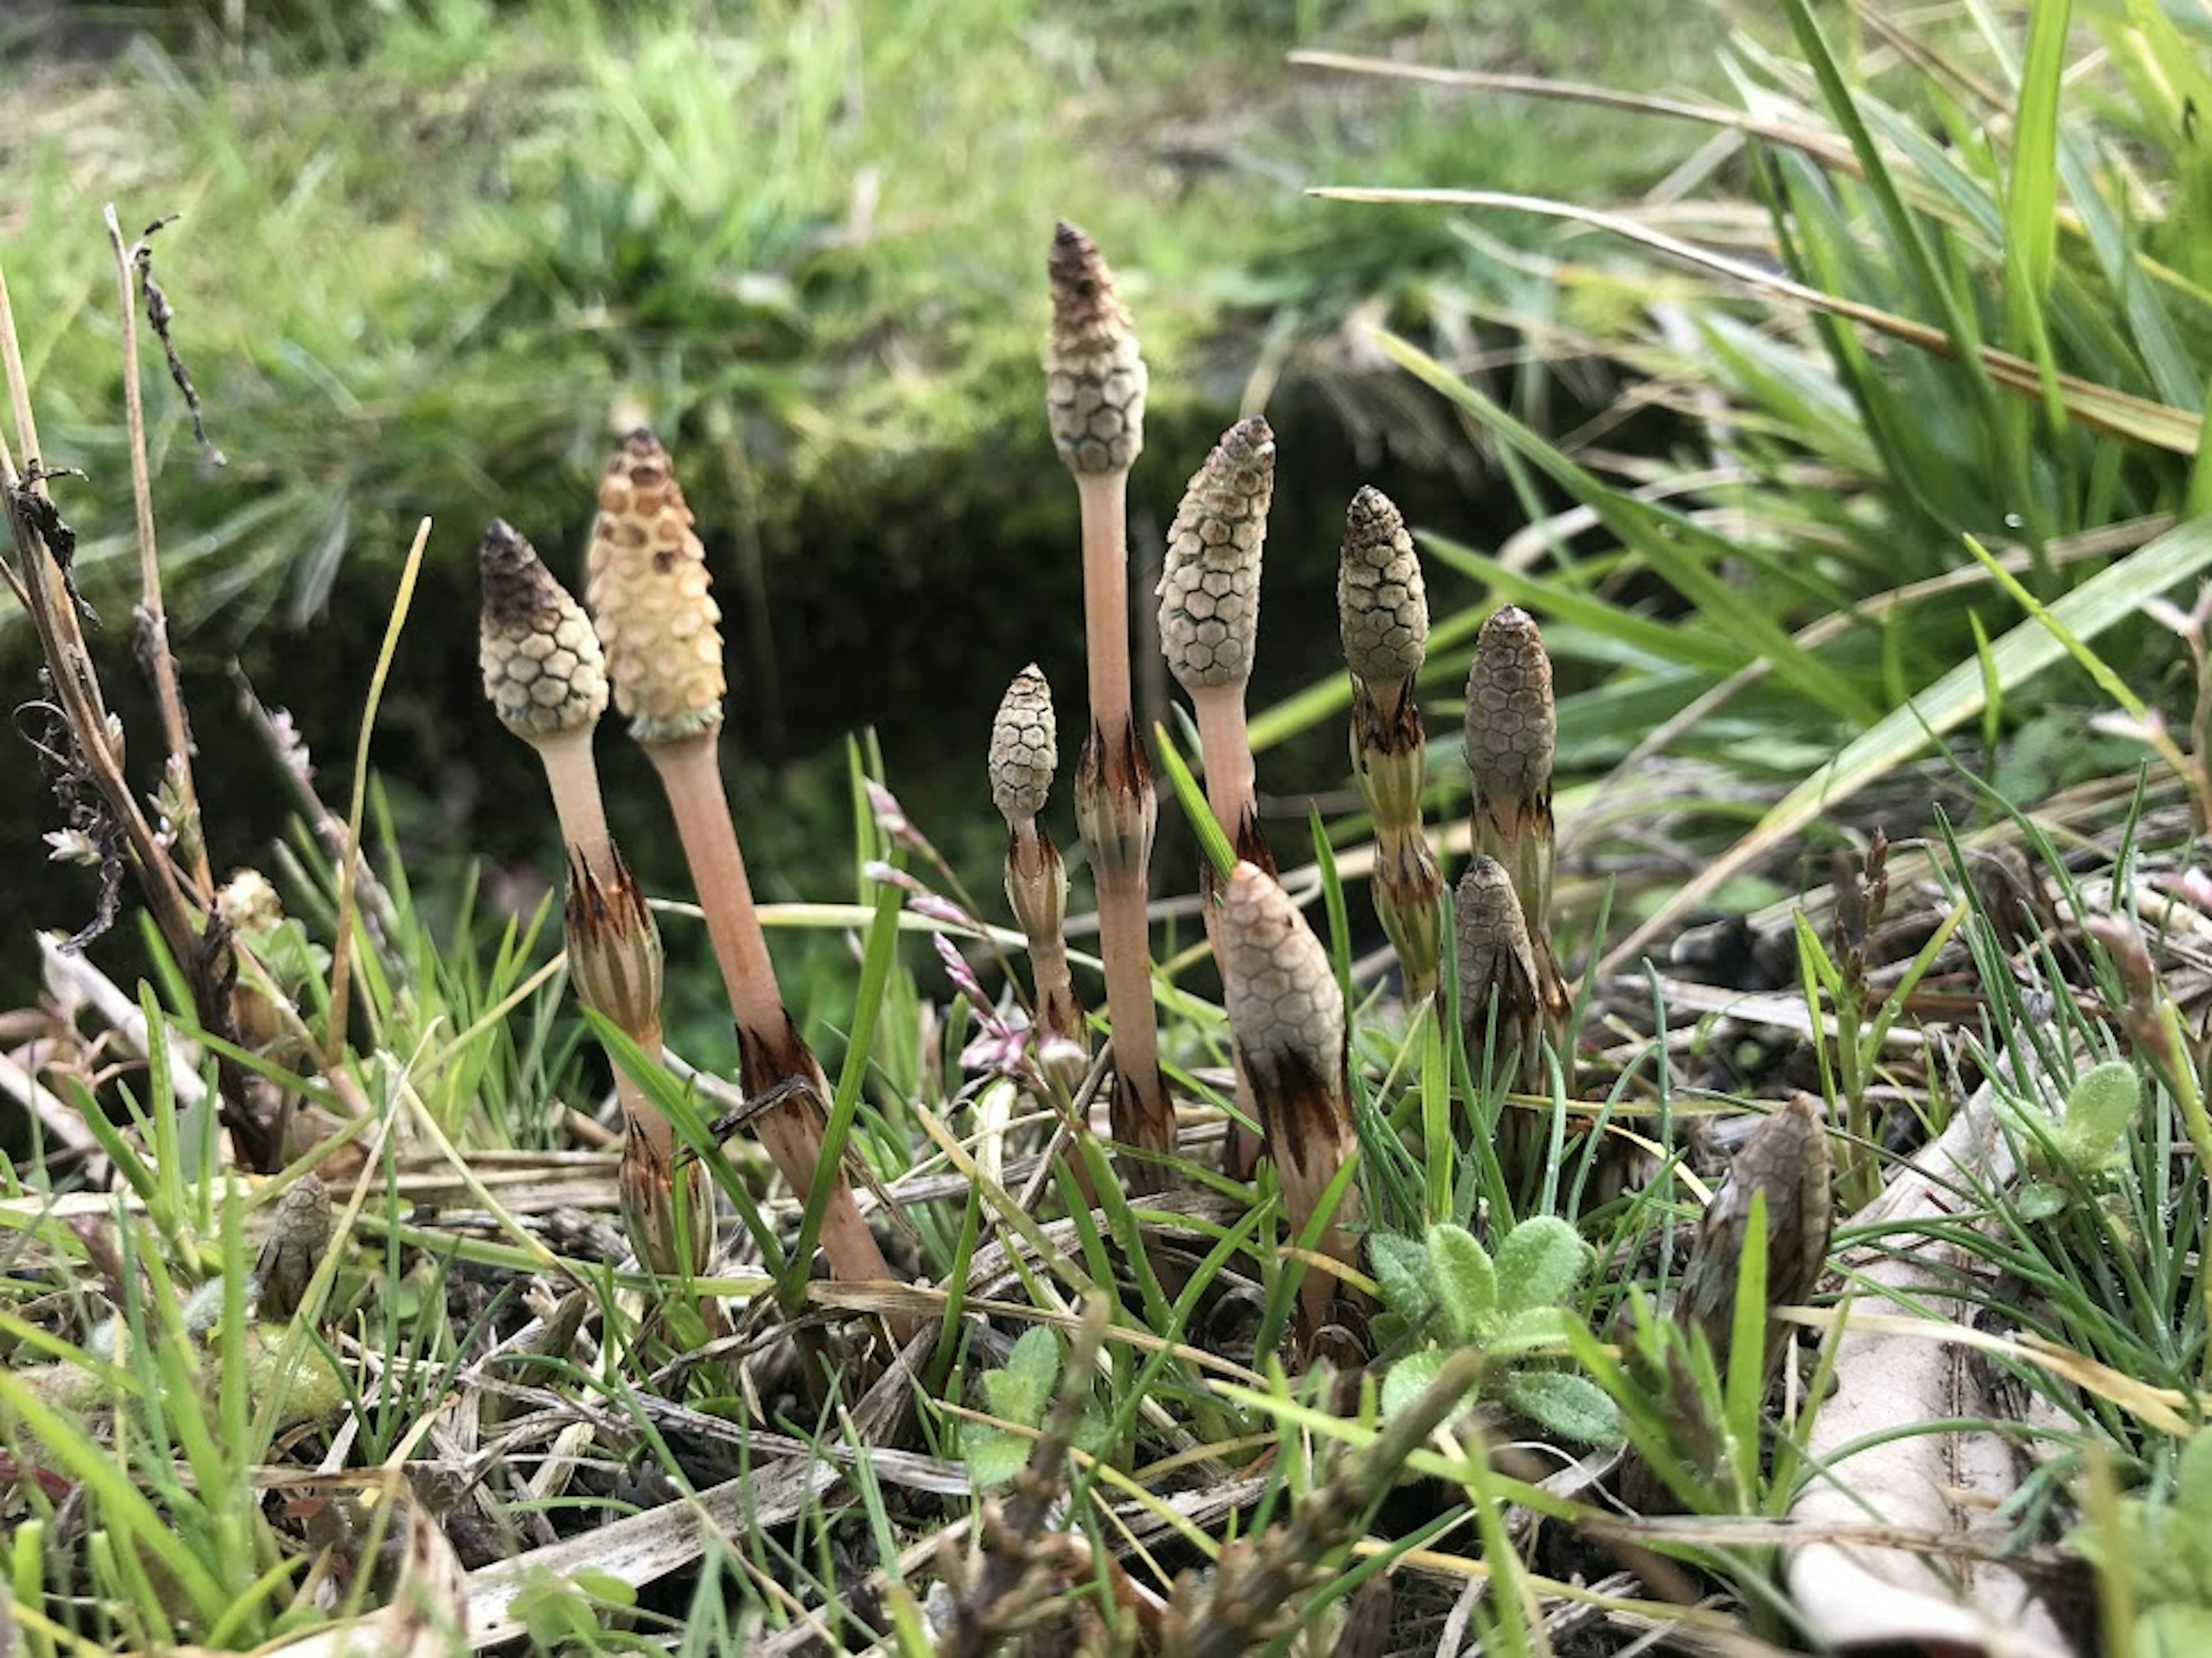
152 612
40 582
1787 1161
1382 610
1024 754
1287 1013
1095 400
1209 594
648 589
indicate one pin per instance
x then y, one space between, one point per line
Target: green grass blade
2112 595
1682 554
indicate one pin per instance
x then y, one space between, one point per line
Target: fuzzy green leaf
1401 1272
994 1455
1465 1281
1540 1261
2099 1110
1571 1406
1527 1330
1409 1379
1022 1391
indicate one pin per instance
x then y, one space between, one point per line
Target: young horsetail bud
1497 970
1786 1161
649 591
1024 746
544 677
1209 593
1095 400
1382 605
1512 730
1024 753
542 671
1094 377
649 596
1383 611
1209 588
1286 1012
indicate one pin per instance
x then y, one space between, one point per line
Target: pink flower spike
889 875
962 976
935 907
891 816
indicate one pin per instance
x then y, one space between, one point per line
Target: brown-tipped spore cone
1209 588
650 596
543 669
1286 1012
1788 1161
1496 961
1024 747
1382 602
1512 728
1094 377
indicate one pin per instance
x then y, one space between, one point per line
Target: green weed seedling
1513 1307
2087 1146
2165 1547
1020 1393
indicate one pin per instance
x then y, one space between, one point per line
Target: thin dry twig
153 616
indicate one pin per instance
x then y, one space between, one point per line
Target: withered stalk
152 612
39 581
1095 400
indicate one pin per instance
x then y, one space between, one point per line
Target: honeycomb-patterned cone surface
1209 588
1024 746
1496 956
649 594
1094 377
543 670
1512 728
1381 602
1284 1006
1788 1160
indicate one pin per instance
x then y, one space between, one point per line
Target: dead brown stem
154 617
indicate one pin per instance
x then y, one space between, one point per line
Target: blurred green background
433 253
